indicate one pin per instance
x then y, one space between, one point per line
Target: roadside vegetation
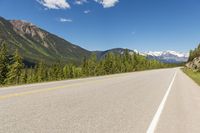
13 71
192 68
194 53
195 75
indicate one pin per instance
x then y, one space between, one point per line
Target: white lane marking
156 117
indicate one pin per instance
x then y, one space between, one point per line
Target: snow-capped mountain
163 56
165 53
167 56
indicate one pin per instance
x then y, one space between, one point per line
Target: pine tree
30 75
40 72
15 69
109 65
66 72
60 72
4 63
23 76
92 64
78 72
71 71
100 68
85 67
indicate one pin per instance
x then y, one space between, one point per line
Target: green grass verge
192 74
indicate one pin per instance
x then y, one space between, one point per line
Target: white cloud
80 2
107 3
65 20
55 4
87 11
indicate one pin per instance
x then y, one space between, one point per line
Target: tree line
194 53
13 71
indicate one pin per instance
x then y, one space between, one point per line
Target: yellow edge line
31 92
7 96
105 77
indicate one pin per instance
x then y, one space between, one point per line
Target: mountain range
167 56
163 56
36 44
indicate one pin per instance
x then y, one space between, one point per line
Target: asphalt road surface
160 101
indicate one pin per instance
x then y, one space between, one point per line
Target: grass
192 74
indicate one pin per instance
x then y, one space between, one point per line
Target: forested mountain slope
36 44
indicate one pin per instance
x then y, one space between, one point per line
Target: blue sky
103 24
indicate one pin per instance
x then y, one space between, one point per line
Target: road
160 101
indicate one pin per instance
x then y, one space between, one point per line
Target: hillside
36 44
102 54
194 59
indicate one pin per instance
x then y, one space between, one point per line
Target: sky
145 25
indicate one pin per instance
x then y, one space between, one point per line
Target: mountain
163 56
167 56
36 44
101 54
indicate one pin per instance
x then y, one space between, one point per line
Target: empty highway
160 101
